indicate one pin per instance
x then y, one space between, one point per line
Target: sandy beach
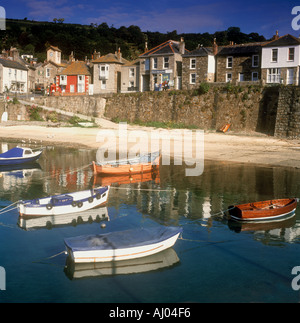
254 148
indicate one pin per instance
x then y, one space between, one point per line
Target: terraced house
161 66
239 63
199 66
106 72
74 79
281 60
13 76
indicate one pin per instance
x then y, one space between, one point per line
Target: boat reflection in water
126 179
162 260
52 221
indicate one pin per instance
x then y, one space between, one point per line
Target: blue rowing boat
19 155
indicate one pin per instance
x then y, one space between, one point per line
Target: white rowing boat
121 245
64 203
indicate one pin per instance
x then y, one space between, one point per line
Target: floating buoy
103 225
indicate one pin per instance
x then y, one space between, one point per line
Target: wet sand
254 148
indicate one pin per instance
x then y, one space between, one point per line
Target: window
193 78
192 63
291 54
147 64
80 88
254 76
155 63
166 62
80 78
103 84
103 72
63 79
131 72
228 77
273 75
47 72
255 60
131 84
274 55
241 77
229 62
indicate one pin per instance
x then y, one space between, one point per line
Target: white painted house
281 60
13 76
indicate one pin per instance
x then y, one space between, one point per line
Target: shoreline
246 148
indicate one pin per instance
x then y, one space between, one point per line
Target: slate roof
76 68
12 64
54 48
110 58
286 40
199 52
168 47
242 49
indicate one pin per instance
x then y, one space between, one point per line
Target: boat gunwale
244 212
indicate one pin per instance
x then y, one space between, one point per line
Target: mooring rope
39 260
67 172
4 210
140 189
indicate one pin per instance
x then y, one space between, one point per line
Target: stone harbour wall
288 113
93 105
239 106
273 110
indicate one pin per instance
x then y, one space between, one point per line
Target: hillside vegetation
32 37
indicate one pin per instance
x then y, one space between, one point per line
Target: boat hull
127 167
20 160
90 254
270 210
77 202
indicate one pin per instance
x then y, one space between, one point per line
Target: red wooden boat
271 210
137 165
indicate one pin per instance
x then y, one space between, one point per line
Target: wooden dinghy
64 203
270 210
121 245
19 155
137 165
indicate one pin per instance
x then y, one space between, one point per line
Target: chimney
119 55
181 46
276 36
96 55
215 47
14 53
71 57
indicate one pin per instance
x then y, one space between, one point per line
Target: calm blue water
214 262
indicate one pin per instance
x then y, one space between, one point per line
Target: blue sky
185 16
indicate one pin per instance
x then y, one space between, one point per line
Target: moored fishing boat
19 155
270 210
121 245
136 165
64 203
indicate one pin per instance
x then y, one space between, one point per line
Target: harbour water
215 260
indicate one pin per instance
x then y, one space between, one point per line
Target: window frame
192 63
193 77
229 61
274 58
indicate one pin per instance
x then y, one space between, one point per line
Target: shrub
34 113
203 88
